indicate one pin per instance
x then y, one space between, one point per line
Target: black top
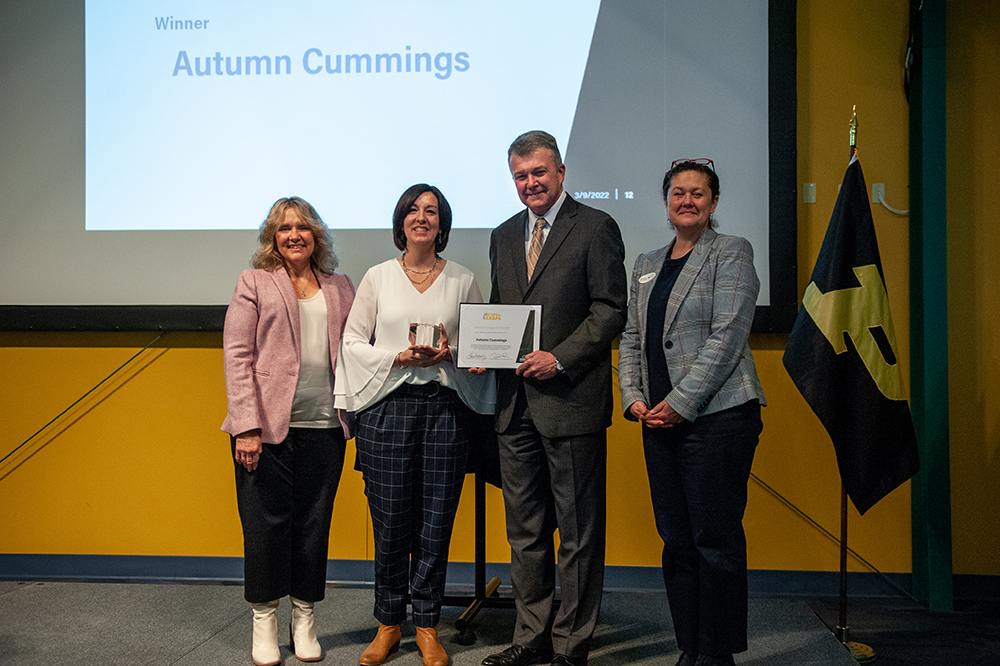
656 312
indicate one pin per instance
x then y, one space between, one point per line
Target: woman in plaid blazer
687 373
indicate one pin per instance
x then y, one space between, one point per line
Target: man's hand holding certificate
497 336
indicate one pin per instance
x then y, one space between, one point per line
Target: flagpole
843 631
859 651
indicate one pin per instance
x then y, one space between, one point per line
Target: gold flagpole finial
854 130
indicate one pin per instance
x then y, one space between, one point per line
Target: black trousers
286 505
698 473
413 447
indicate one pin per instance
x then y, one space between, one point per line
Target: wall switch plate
808 192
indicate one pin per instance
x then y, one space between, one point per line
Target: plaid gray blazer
705 331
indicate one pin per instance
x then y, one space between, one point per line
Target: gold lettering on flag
854 311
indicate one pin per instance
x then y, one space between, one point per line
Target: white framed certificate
497 336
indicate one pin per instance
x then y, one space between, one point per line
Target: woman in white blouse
412 405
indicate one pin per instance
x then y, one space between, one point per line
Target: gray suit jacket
579 280
705 331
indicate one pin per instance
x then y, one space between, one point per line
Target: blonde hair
267 256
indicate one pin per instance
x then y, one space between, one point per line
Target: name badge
647 277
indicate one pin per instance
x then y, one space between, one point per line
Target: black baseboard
112 317
229 570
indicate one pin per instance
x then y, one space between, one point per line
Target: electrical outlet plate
878 192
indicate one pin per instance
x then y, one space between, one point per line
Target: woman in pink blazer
282 332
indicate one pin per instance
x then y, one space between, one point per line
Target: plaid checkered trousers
412 449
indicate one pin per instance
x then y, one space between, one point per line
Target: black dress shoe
688 659
709 660
563 660
518 655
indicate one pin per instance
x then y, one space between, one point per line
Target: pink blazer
262 345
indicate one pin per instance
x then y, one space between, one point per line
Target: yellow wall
140 467
973 142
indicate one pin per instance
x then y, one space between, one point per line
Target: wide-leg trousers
285 506
413 447
698 473
551 483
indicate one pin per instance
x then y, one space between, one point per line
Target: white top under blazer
312 406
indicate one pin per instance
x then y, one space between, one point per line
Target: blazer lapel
688 274
513 247
564 223
284 285
653 264
331 294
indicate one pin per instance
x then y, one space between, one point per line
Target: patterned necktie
535 248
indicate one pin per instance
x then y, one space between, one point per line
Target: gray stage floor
183 625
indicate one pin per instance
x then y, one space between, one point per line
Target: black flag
841 354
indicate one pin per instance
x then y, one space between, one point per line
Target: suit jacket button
669 344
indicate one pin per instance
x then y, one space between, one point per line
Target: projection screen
142 144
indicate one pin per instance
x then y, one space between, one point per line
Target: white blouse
378 328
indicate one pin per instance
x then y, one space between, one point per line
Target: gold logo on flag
854 311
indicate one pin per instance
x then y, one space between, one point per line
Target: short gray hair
531 141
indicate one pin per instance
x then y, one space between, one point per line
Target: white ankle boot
265 634
303 632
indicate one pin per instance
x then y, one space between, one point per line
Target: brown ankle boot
386 642
430 647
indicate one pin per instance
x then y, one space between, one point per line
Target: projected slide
150 139
201 113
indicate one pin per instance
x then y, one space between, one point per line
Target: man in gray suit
553 411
